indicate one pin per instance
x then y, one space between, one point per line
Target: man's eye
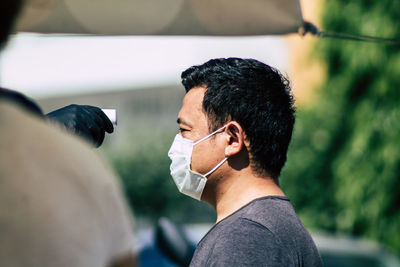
182 130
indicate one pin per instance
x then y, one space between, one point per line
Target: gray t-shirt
265 232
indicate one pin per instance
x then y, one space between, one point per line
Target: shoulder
276 214
245 242
271 207
244 232
266 232
255 222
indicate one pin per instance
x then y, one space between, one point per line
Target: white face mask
188 182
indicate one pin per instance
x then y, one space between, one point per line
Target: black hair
256 96
9 10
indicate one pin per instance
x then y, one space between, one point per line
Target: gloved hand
87 121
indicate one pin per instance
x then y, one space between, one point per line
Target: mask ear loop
204 138
211 134
216 167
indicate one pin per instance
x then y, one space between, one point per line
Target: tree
343 172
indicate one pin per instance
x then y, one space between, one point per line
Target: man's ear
235 138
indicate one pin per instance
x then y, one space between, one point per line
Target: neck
232 193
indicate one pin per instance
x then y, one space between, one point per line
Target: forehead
192 107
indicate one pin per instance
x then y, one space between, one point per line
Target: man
235 124
60 205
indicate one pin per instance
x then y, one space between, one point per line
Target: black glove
86 121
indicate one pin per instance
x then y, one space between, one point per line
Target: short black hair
255 95
9 10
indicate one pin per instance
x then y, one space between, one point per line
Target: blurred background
343 168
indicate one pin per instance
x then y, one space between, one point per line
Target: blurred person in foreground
85 121
236 123
60 205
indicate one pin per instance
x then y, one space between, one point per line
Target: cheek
205 157
197 158
202 158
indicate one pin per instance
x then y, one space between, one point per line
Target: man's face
193 125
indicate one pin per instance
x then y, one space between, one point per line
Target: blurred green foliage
343 170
